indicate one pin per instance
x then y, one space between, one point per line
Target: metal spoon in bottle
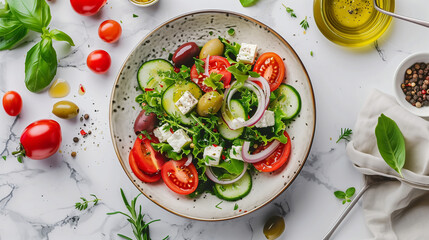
408 19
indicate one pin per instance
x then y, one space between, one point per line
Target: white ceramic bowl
143 4
399 79
200 27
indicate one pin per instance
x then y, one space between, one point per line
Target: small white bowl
143 4
399 79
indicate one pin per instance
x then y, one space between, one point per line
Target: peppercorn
86 116
75 139
73 154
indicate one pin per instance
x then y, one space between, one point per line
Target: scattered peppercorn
75 139
86 116
416 84
73 154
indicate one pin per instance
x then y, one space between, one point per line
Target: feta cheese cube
186 102
267 120
237 123
162 134
247 53
235 152
213 153
178 140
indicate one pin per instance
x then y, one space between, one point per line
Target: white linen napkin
394 210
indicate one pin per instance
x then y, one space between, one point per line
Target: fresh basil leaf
391 143
40 65
61 36
248 3
340 194
11 30
34 14
350 192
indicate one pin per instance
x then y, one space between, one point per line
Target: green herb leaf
214 81
231 32
345 134
350 192
311 53
233 166
236 206
33 14
61 36
290 11
12 31
340 194
248 3
40 65
4 157
135 15
391 143
345 196
199 64
231 50
241 73
217 205
84 204
304 23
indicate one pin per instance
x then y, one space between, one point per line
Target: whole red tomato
12 103
87 7
99 61
110 31
40 140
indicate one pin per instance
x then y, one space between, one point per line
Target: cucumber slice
237 111
172 95
234 191
148 77
288 99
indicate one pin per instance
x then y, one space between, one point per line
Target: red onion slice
212 177
254 158
189 160
265 86
206 66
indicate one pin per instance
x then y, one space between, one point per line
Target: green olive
274 227
65 109
213 47
209 103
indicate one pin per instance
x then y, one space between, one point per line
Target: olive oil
352 23
60 88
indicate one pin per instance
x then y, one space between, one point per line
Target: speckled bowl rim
143 40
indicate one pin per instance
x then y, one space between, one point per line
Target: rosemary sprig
345 134
84 204
139 226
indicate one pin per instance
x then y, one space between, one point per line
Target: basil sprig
16 18
391 143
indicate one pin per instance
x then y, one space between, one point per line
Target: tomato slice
180 179
218 65
148 160
271 67
277 159
147 178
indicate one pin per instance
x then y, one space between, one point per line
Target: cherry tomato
148 178
218 65
87 7
271 67
12 103
277 159
148 160
40 140
110 31
180 179
99 61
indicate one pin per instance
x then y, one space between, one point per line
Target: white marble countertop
37 197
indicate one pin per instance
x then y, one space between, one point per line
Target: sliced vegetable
215 64
215 179
237 111
271 67
147 178
148 160
234 191
179 178
288 100
172 95
150 70
277 159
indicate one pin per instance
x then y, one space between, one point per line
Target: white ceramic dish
201 27
399 79
143 4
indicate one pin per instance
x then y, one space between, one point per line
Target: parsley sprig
345 134
345 196
304 23
290 11
84 204
139 226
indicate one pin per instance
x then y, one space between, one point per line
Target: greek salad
211 117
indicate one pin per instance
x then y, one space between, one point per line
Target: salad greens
16 18
391 143
231 50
